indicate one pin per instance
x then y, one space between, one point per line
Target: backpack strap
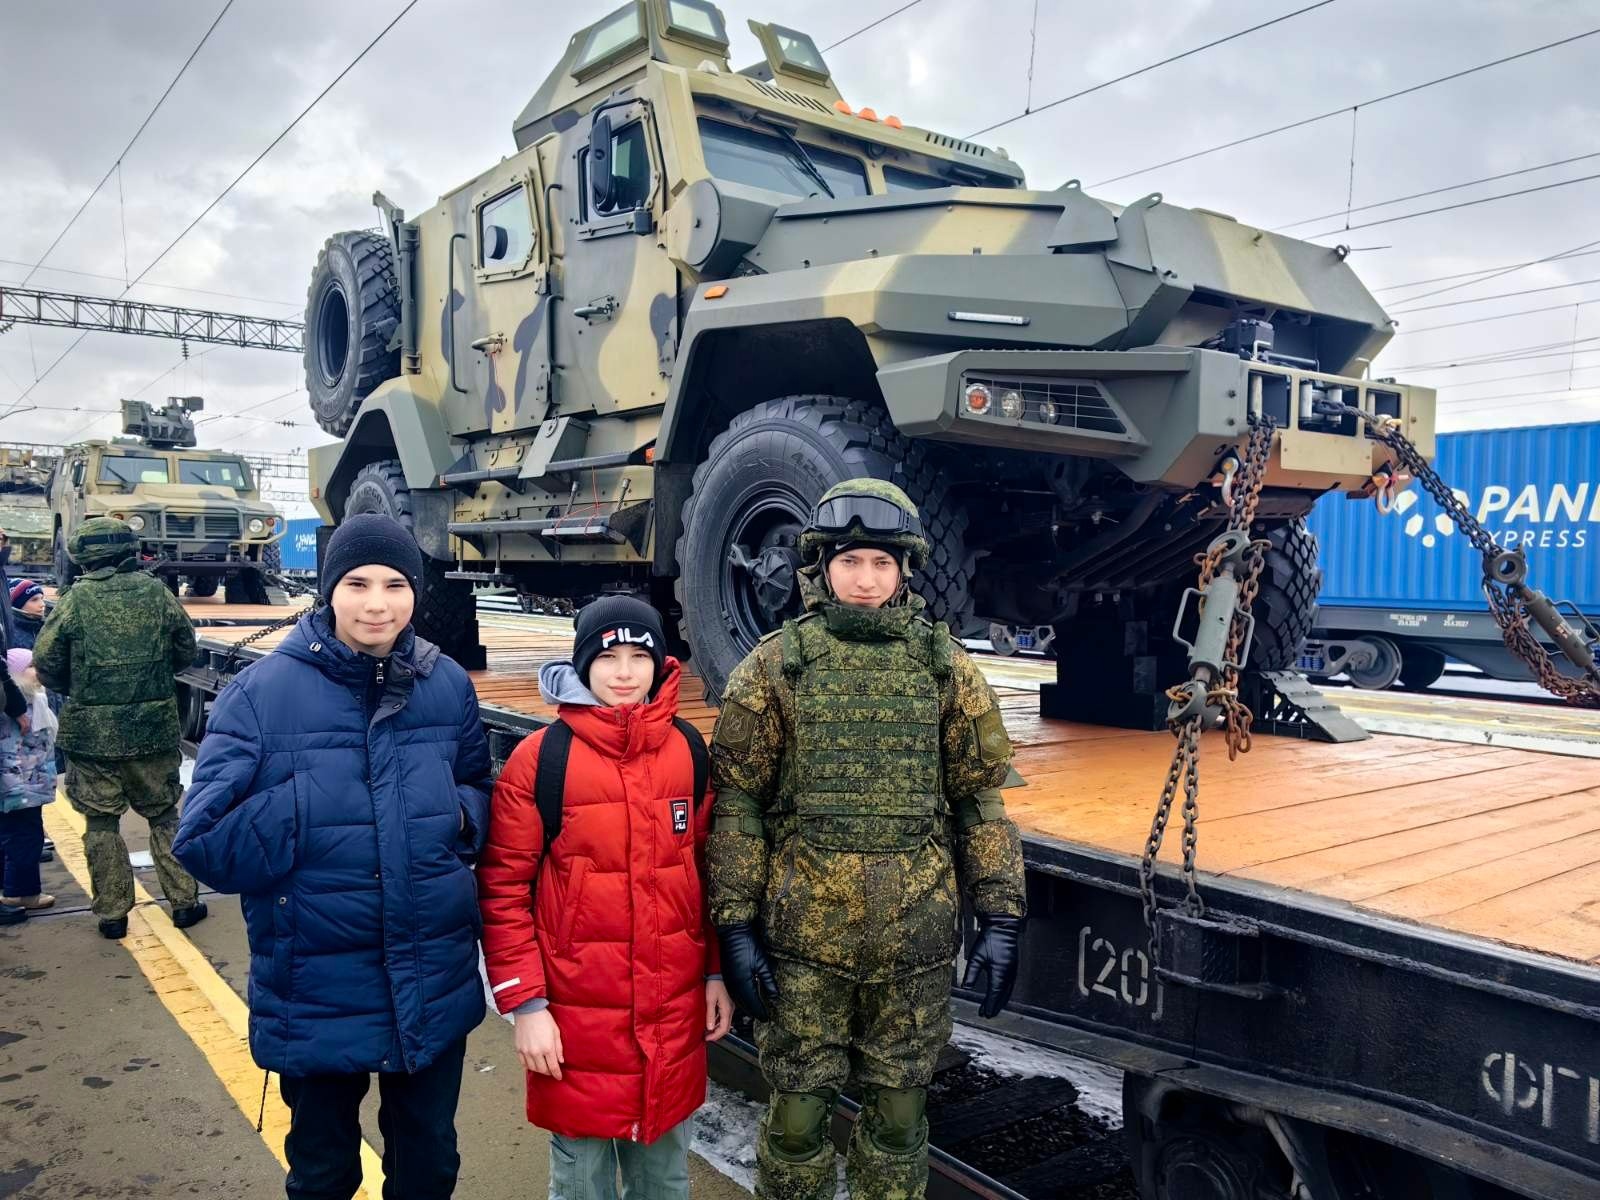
697 752
550 781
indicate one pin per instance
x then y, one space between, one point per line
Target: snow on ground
725 1136
1099 1087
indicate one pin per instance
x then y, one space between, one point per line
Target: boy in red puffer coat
598 941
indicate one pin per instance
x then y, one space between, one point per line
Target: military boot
190 915
114 928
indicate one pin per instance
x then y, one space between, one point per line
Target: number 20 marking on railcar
1129 970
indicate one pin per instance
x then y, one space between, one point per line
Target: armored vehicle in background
24 510
634 353
198 513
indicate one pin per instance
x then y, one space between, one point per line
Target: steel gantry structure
67 310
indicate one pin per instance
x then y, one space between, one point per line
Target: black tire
766 471
66 569
352 310
246 587
1420 667
272 558
1286 606
446 612
203 585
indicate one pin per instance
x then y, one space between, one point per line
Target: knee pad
798 1124
101 823
894 1118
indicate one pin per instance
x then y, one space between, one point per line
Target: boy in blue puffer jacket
343 788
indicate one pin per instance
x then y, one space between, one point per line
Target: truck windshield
213 473
764 160
132 469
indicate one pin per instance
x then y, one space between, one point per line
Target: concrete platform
124 1071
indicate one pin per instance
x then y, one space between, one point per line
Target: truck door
500 349
618 315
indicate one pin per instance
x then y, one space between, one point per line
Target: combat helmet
867 510
101 542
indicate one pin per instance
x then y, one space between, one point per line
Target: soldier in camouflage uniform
856 758
111 646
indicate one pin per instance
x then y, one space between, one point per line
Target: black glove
745 969
996 955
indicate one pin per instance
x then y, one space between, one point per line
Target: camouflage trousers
826 1028
102 789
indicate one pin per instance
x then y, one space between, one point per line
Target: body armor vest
866 774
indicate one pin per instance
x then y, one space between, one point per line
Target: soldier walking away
112 645
856 760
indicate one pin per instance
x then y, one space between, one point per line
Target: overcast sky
432 105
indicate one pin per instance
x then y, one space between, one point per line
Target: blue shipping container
1536 488
300 545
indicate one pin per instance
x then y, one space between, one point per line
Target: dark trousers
21 840
416 1116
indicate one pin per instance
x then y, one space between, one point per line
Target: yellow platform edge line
180 975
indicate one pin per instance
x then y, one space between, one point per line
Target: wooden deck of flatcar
1496 843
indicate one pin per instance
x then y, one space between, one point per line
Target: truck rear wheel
352 310
753 494
203 585
1286 606
446 612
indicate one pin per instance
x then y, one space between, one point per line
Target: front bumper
1163 414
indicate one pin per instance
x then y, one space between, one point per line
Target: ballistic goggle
866 516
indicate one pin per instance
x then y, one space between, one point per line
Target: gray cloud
433 104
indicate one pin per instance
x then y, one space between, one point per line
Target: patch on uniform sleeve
736 725
990 730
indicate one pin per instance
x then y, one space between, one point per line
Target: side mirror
602 184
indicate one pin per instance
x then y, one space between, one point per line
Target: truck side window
505 229
630 163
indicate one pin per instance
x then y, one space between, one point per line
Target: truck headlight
1011 406
256 526
136 523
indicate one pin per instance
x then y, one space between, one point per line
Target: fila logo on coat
680 816
623 633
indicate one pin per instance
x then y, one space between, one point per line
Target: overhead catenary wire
1452 187
116 164
1444 208
169 287
1552 287
1334 112
1521 354
1172 58
866 28
1487 272
1521 312
382 33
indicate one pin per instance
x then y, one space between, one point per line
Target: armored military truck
24 510
633 353
198 513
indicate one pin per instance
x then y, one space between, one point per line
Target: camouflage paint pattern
181 520
102 790
596 332
826 1030
112 645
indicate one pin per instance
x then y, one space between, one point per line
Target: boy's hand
719 1010
538 1041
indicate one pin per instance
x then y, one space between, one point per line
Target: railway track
993 1135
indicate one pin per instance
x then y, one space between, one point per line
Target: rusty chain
1511 601
1208 689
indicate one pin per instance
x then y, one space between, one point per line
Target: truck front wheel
753 494
446 612
1286 605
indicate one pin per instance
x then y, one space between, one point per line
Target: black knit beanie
612 621
370 539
